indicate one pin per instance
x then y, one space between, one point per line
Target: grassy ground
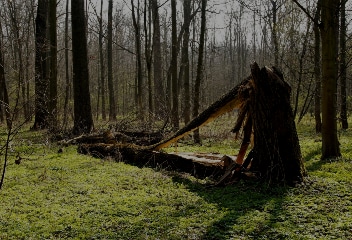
52 195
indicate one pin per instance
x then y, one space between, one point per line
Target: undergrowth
63 195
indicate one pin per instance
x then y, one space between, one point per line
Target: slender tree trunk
329 28
52 104
343 66
199 77
174 81
112 103
41 80
67 70
317 70
139 77
274 33
83 119
102 66
148 54
159 93
4 98
185 62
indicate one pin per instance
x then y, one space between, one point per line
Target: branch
307 13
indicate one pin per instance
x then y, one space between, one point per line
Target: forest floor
52 195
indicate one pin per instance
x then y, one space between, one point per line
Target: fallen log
263 100
198 165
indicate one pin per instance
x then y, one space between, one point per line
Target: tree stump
276 153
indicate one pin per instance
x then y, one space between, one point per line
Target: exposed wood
133 154
265 115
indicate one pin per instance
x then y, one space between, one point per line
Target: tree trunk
67 70
41 79
199 77
83 119
329 28
317 69
185 62
159 93
276 153
102 67
4 98
174 82
52 104
139 77
343 66
112 103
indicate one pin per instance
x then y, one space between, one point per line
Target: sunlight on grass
52 195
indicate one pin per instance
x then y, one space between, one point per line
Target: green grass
65 195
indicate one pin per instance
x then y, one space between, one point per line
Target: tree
139 77
185 61
83 120
4 98
159 95
174 81
329 44
41 76
343 66
102 66
52 103
199 77
329 36
112 103
67 71
317 69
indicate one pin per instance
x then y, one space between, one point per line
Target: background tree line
63 65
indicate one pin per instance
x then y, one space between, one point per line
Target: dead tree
265 115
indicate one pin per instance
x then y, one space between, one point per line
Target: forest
102 103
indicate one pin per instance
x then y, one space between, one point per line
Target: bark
41 76
52 104
4 98
83 119
102 66
159 93
174 81
328 29
343 67
276 153
112 103
317 69
185 62
67 71
139 77
199 77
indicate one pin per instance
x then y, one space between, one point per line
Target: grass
53 195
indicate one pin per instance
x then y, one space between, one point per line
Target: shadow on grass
251 209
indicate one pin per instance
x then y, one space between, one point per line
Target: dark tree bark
52 103
185 61
343 66
102 66
276 153
274 32
112 103
139 77
67 70
41 76
174 81
4 98
83 119
148 53
199 77
317 69
329 36
159 93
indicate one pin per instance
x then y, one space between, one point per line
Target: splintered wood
265 118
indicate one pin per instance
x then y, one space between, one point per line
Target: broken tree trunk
276 153
263 100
